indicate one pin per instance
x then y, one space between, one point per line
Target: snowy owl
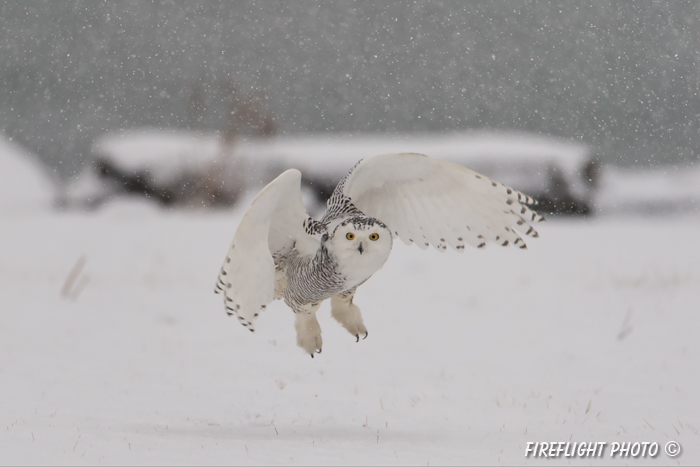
280 252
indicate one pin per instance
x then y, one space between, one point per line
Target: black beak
360 249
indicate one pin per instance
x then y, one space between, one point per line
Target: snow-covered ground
115 350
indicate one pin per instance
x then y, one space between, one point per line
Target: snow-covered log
195 168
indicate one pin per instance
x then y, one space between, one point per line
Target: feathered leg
348 314
308 329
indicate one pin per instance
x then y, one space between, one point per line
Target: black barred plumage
311 279
339 205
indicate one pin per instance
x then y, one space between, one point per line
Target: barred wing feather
433 202
274 223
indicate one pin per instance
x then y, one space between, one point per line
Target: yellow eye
374 237
350 236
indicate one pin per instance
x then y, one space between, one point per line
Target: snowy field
115 350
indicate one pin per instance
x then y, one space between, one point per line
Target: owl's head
361 245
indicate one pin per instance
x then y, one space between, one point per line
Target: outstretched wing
274 225
429 201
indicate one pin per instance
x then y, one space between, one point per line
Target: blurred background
191 103
134 135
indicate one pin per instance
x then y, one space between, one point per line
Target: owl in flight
279 252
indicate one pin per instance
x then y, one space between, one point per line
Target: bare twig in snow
75 283
625 329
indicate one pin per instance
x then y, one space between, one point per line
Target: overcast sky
621 76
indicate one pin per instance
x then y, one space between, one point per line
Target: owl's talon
357 338
319 350
366 334
309 331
